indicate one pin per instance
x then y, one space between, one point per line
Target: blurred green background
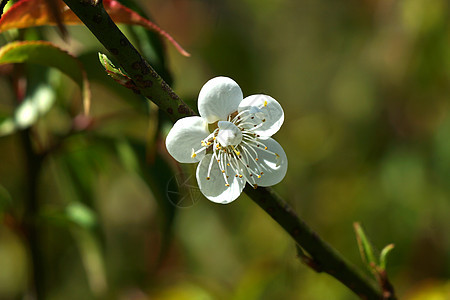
365 86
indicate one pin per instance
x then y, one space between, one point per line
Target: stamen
249 156
277 159
235 164
221 163
238 119
250 146
235 151
255 127
209 167
265 102
253 143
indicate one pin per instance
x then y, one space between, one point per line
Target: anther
265 148
240 176
208 178
226 184
255 186
223 171
265 102
235 151
256 159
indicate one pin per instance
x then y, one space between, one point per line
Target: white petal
267 107
214 189
185 135
273 167
218 98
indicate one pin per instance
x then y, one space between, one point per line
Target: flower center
229 134
233 146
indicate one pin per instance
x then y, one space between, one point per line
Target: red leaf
31 13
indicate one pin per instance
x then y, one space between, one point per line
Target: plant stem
31 226
153 87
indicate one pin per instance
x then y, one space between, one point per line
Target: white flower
239 149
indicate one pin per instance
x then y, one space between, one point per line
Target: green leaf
386 250
92 258
47 54
117 74
365 247
81 215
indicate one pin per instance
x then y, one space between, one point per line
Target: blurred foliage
365 88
